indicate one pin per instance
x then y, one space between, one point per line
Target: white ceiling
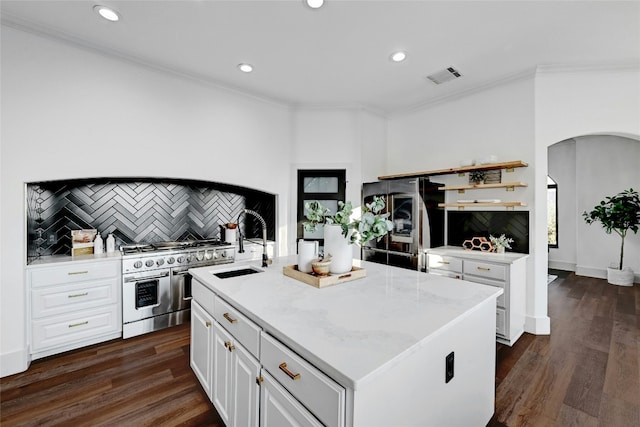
339 55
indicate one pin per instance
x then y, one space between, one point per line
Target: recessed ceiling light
398 56
315 4
245 68
107 13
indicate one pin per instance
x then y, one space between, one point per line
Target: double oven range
156 286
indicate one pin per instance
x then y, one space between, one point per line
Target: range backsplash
140 210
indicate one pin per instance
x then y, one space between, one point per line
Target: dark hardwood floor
586 373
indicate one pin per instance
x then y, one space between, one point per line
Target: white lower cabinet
236 389
280 409
202 338
248 392
508 272
73 304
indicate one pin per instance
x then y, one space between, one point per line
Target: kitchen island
398 347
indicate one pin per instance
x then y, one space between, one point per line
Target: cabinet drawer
319 393
485 269
53 300
62 330
74 272
242 329
203 296
279 409
446 273
444 262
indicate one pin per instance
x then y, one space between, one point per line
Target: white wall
574 102
615 163
562 168
497 121
71 113
587 169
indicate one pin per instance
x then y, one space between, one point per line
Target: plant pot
337 246
622 277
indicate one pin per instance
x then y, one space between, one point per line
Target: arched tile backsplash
138 210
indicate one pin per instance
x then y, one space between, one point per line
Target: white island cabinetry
397 347
73 303
507 271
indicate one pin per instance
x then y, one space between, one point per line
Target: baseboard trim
600 273
537 325
14 362
562 265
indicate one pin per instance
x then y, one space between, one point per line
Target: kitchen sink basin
227 274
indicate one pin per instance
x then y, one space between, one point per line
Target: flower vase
339 248
500 249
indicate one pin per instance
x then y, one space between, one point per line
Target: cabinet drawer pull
444 262
484 268
84 294
71 273
79 324
207 324
229 318
283 368
229 346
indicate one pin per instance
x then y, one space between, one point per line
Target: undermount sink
242 271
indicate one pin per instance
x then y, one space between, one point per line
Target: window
552 213
327 187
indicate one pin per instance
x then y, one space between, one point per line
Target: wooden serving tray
323 281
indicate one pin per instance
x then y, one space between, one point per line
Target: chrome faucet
265 258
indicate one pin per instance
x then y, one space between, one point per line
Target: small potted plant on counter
619 213
501 243
340 230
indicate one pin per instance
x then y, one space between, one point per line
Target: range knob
215 255
191 258
199 256
137 264
149 263
208 255
181 259
171 260
159 262
224 254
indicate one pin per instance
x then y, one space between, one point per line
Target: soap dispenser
98 247
111 243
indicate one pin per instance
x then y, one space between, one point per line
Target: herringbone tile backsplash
137 211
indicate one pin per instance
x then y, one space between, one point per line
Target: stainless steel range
156 287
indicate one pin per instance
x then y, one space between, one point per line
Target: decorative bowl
320 267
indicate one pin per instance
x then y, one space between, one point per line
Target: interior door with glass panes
327 186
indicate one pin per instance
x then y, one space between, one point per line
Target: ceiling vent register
444 76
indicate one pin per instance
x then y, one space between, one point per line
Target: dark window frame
554 187
340 195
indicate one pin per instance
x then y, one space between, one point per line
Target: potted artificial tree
619 213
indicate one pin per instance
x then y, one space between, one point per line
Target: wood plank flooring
586 373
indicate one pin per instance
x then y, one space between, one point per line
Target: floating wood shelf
508 205
509 166
510 186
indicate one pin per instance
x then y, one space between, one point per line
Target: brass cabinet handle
229 318
229 346
207 324
79 324
84 294
484 268
71 273
444 262
283 368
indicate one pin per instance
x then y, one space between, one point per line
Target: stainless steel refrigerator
418 222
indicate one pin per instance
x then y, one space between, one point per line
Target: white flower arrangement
501 242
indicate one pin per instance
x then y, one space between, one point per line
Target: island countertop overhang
355 329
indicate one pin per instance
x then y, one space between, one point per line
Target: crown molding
585 68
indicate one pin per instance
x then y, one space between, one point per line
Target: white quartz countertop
58 259
355 329
507 257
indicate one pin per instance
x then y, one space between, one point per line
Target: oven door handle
181 273
140 279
